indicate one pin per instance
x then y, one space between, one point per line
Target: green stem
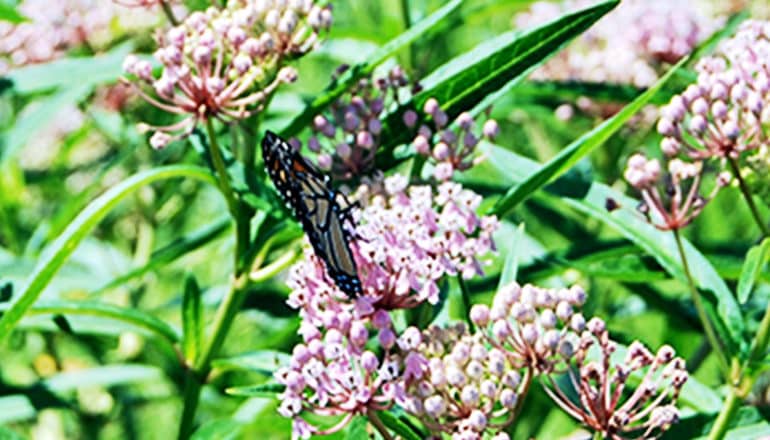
231 303
221 170
374 419
195 379
192 393
742 383
407 19
747 195
274 268
700 308
729 409
168 12
466 296
242 225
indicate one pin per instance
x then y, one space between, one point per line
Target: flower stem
195 379
699 307
742 383
729 409
221 170
374 419
168 12
747 195
466 295
231 303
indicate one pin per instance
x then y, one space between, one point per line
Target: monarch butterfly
316 205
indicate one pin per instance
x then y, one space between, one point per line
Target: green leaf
131 316
511 265
578 149
662 247
16 407
68 73
221 429
617 261
262 361
10 14
342 84
269 390
396 425
464 81
507 168
173 251
54 256
38 114
192 318
357 428
104 376
756 259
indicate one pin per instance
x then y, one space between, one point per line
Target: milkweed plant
554 214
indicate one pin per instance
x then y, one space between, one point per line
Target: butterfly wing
315 204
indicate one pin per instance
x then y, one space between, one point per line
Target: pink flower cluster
458 384
628 45
681 200
407 239
347 136
452 145
723 113
224 63
538 328
55 27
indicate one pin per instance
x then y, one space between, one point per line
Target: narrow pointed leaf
463 82
756 259
192 318
54 256
570 155
340 85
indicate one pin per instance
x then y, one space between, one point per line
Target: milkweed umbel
316 205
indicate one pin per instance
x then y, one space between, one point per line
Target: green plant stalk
241 224
220 169
742 383
168 12
699 308
231 303
729 409
374 419
466 296
406 17
747 195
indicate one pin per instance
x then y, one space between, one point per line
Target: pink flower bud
159 140
369 362
410 118
491 129
324 161
480 315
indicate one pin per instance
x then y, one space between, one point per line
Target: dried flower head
537 328
347 136
224 63
458 384
670 201
449 145
723 114
408 239
607 403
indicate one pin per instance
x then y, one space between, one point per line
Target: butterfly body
316 205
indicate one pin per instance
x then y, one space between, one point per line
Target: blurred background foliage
68 134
